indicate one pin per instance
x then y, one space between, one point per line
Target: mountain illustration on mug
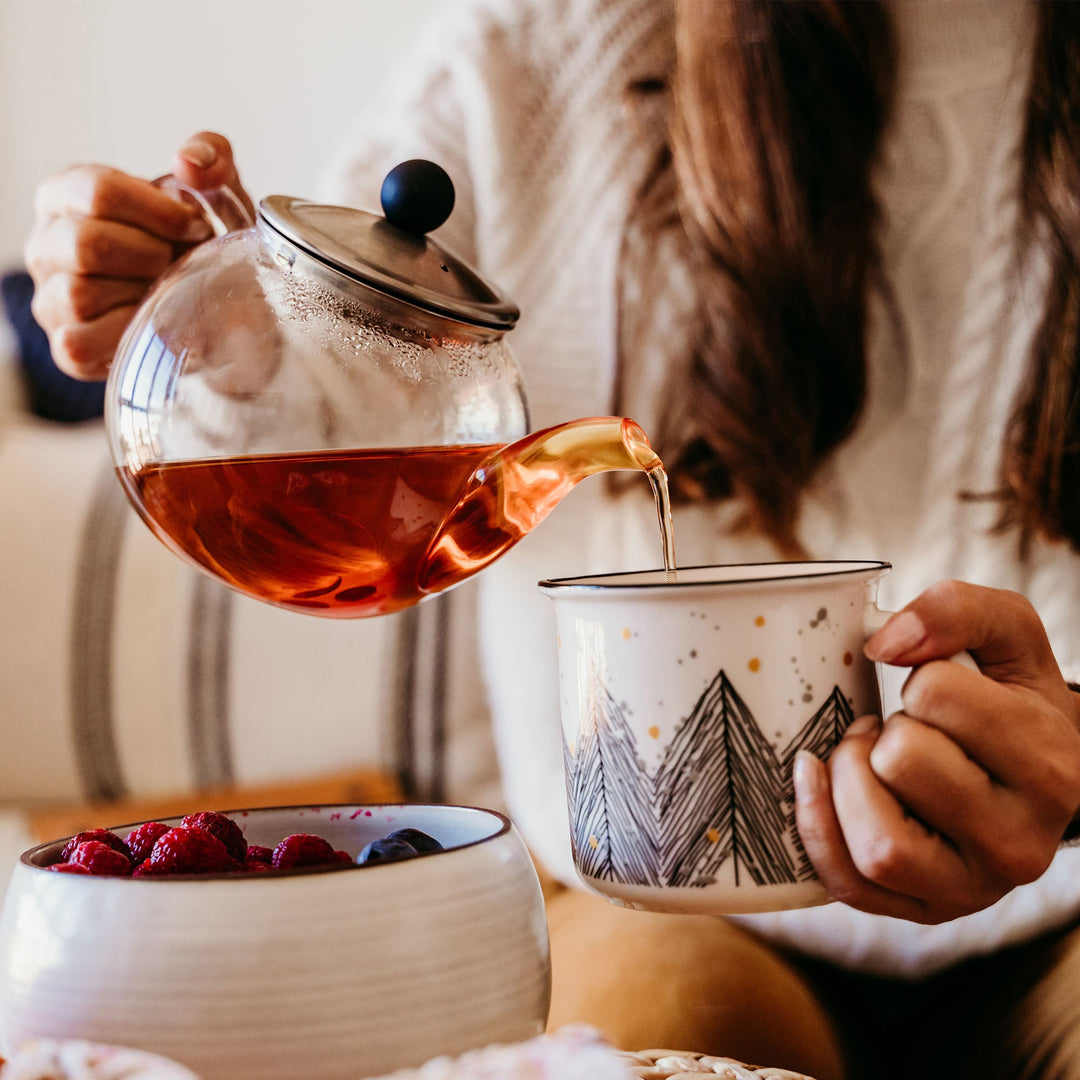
721 792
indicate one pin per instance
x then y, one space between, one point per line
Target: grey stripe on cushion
209 636
437 708
402 739
91 647
421 674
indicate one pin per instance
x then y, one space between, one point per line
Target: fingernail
197 230
809 776
898 636
199 153
864 725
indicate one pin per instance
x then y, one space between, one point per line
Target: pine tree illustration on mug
720 792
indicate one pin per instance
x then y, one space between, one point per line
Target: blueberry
417 196
419 840
385 850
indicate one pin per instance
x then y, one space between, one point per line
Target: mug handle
222 208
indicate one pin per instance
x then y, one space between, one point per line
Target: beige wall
124 81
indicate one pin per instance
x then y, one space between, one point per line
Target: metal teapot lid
391 254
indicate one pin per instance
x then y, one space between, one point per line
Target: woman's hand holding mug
101 238
966 792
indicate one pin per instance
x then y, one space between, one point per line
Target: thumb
999 628
205 161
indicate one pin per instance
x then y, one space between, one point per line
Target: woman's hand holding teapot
100 240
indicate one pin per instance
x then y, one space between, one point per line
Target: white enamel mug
684 702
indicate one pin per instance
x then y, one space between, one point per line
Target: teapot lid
393 258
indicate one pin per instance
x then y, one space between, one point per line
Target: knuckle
93 247
80 294
104 187
44 193
923 692
1017 861
84 171
61 187
1051 779
1021 609
1059 784
32 261
948 593
65 349
40 310
986 897
33 257
880 858
1024 865
895 754
74 352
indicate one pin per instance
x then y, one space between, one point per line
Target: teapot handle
222 208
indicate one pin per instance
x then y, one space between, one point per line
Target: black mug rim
814 569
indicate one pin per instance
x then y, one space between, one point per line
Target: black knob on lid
417 196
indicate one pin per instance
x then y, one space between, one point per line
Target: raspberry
224 828
256 853
190 851
69 868
101 860
303 849
343 857
141 841
253 866
147 869
102 836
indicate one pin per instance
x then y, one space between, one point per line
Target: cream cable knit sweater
522 101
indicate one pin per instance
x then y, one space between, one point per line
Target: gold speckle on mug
654 732
593 843
760 620
754 664
626 633
712 835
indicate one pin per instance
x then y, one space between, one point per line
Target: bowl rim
505 825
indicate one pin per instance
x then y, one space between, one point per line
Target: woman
825 253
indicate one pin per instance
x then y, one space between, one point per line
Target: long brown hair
778 108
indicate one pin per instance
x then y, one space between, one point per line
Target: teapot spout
513 489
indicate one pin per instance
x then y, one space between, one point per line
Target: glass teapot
319 408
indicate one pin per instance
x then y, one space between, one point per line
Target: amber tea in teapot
351 533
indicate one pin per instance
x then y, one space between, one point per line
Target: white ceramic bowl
325 975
